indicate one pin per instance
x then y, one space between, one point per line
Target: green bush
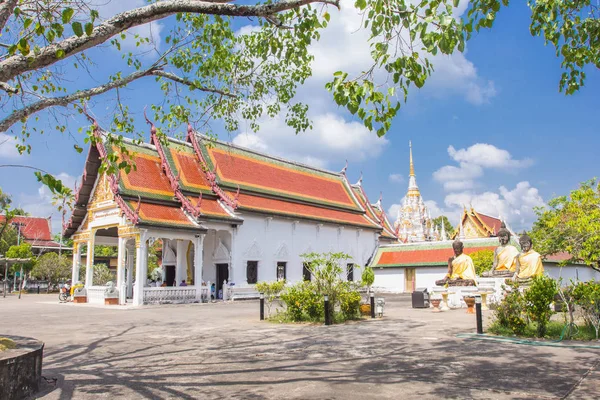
509 313
349 304
538 298
271 290
294 297
483 260
587 297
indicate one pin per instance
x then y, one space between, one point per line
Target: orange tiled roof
282 207
259 173
210 207
161 214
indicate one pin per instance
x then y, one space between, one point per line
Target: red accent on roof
157 213
210 207
423 256
268 205
558 257
269 176
146 175
32 228
190 170
492 222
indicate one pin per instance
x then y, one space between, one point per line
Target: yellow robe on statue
507 258
530 265
462 267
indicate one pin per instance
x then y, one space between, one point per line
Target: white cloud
472 163
151 30
331 141
515 206
40 204
7 147
396 178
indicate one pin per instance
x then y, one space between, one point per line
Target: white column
198 262
130 252
89 268
76 262
141 268
121 286
234 256
181 267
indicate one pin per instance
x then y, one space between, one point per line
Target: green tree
52 267
538 298
483 260
571 224
442 219
102 275
207 69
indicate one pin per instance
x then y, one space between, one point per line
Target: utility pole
18 244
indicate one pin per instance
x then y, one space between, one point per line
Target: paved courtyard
214 351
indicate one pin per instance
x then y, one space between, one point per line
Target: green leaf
60 53
67 14
77 28
89 28
78 148
27 22
361 4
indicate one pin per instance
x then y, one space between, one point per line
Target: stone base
21 369
112 301
455 282
80 299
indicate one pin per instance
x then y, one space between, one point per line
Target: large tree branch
6 9
18 64
24 112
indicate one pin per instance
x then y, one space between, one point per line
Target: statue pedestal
452 297
493 287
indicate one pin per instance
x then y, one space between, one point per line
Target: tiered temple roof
474 224
181 184
34 230
375 213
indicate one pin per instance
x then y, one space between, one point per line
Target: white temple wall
272 239
389 280
571 272
426 276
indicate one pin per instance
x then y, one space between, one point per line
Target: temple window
350 272
306 272
252 271
281 266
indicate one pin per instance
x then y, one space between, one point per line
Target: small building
474 224
36 231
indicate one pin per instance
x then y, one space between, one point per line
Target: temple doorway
410 275
222 274
170 275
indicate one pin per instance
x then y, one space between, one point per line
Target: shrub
368 278
587 297
349 303
271 290
294 299
538 298
483 260
509 313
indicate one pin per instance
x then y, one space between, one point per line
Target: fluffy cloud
7 147
151 31
332 140
396 178
515 206
40 204
472 162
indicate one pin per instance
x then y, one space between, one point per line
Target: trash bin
420 298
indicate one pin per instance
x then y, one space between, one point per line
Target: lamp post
478 315
262 306
327 316
372 305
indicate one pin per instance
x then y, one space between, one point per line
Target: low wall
21 368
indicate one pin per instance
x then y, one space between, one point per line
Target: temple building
36 231
473 224
224 214
413 222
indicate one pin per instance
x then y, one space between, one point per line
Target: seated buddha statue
461 270
505 256
529 262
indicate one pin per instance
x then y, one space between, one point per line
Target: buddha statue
529 262
505 256
461 271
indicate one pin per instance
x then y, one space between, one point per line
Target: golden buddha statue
529 262
461 270
505 255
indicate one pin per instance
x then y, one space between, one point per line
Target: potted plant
367 279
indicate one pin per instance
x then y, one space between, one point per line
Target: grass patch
554 330
285 318
7 344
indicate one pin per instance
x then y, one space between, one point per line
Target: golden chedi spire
412 166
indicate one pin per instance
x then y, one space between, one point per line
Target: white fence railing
95 294
179 294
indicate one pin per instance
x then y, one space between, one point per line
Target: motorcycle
64 294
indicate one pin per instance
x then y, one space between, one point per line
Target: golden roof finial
412 167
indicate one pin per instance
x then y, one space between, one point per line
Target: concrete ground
214 351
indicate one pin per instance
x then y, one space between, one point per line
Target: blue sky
489 129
